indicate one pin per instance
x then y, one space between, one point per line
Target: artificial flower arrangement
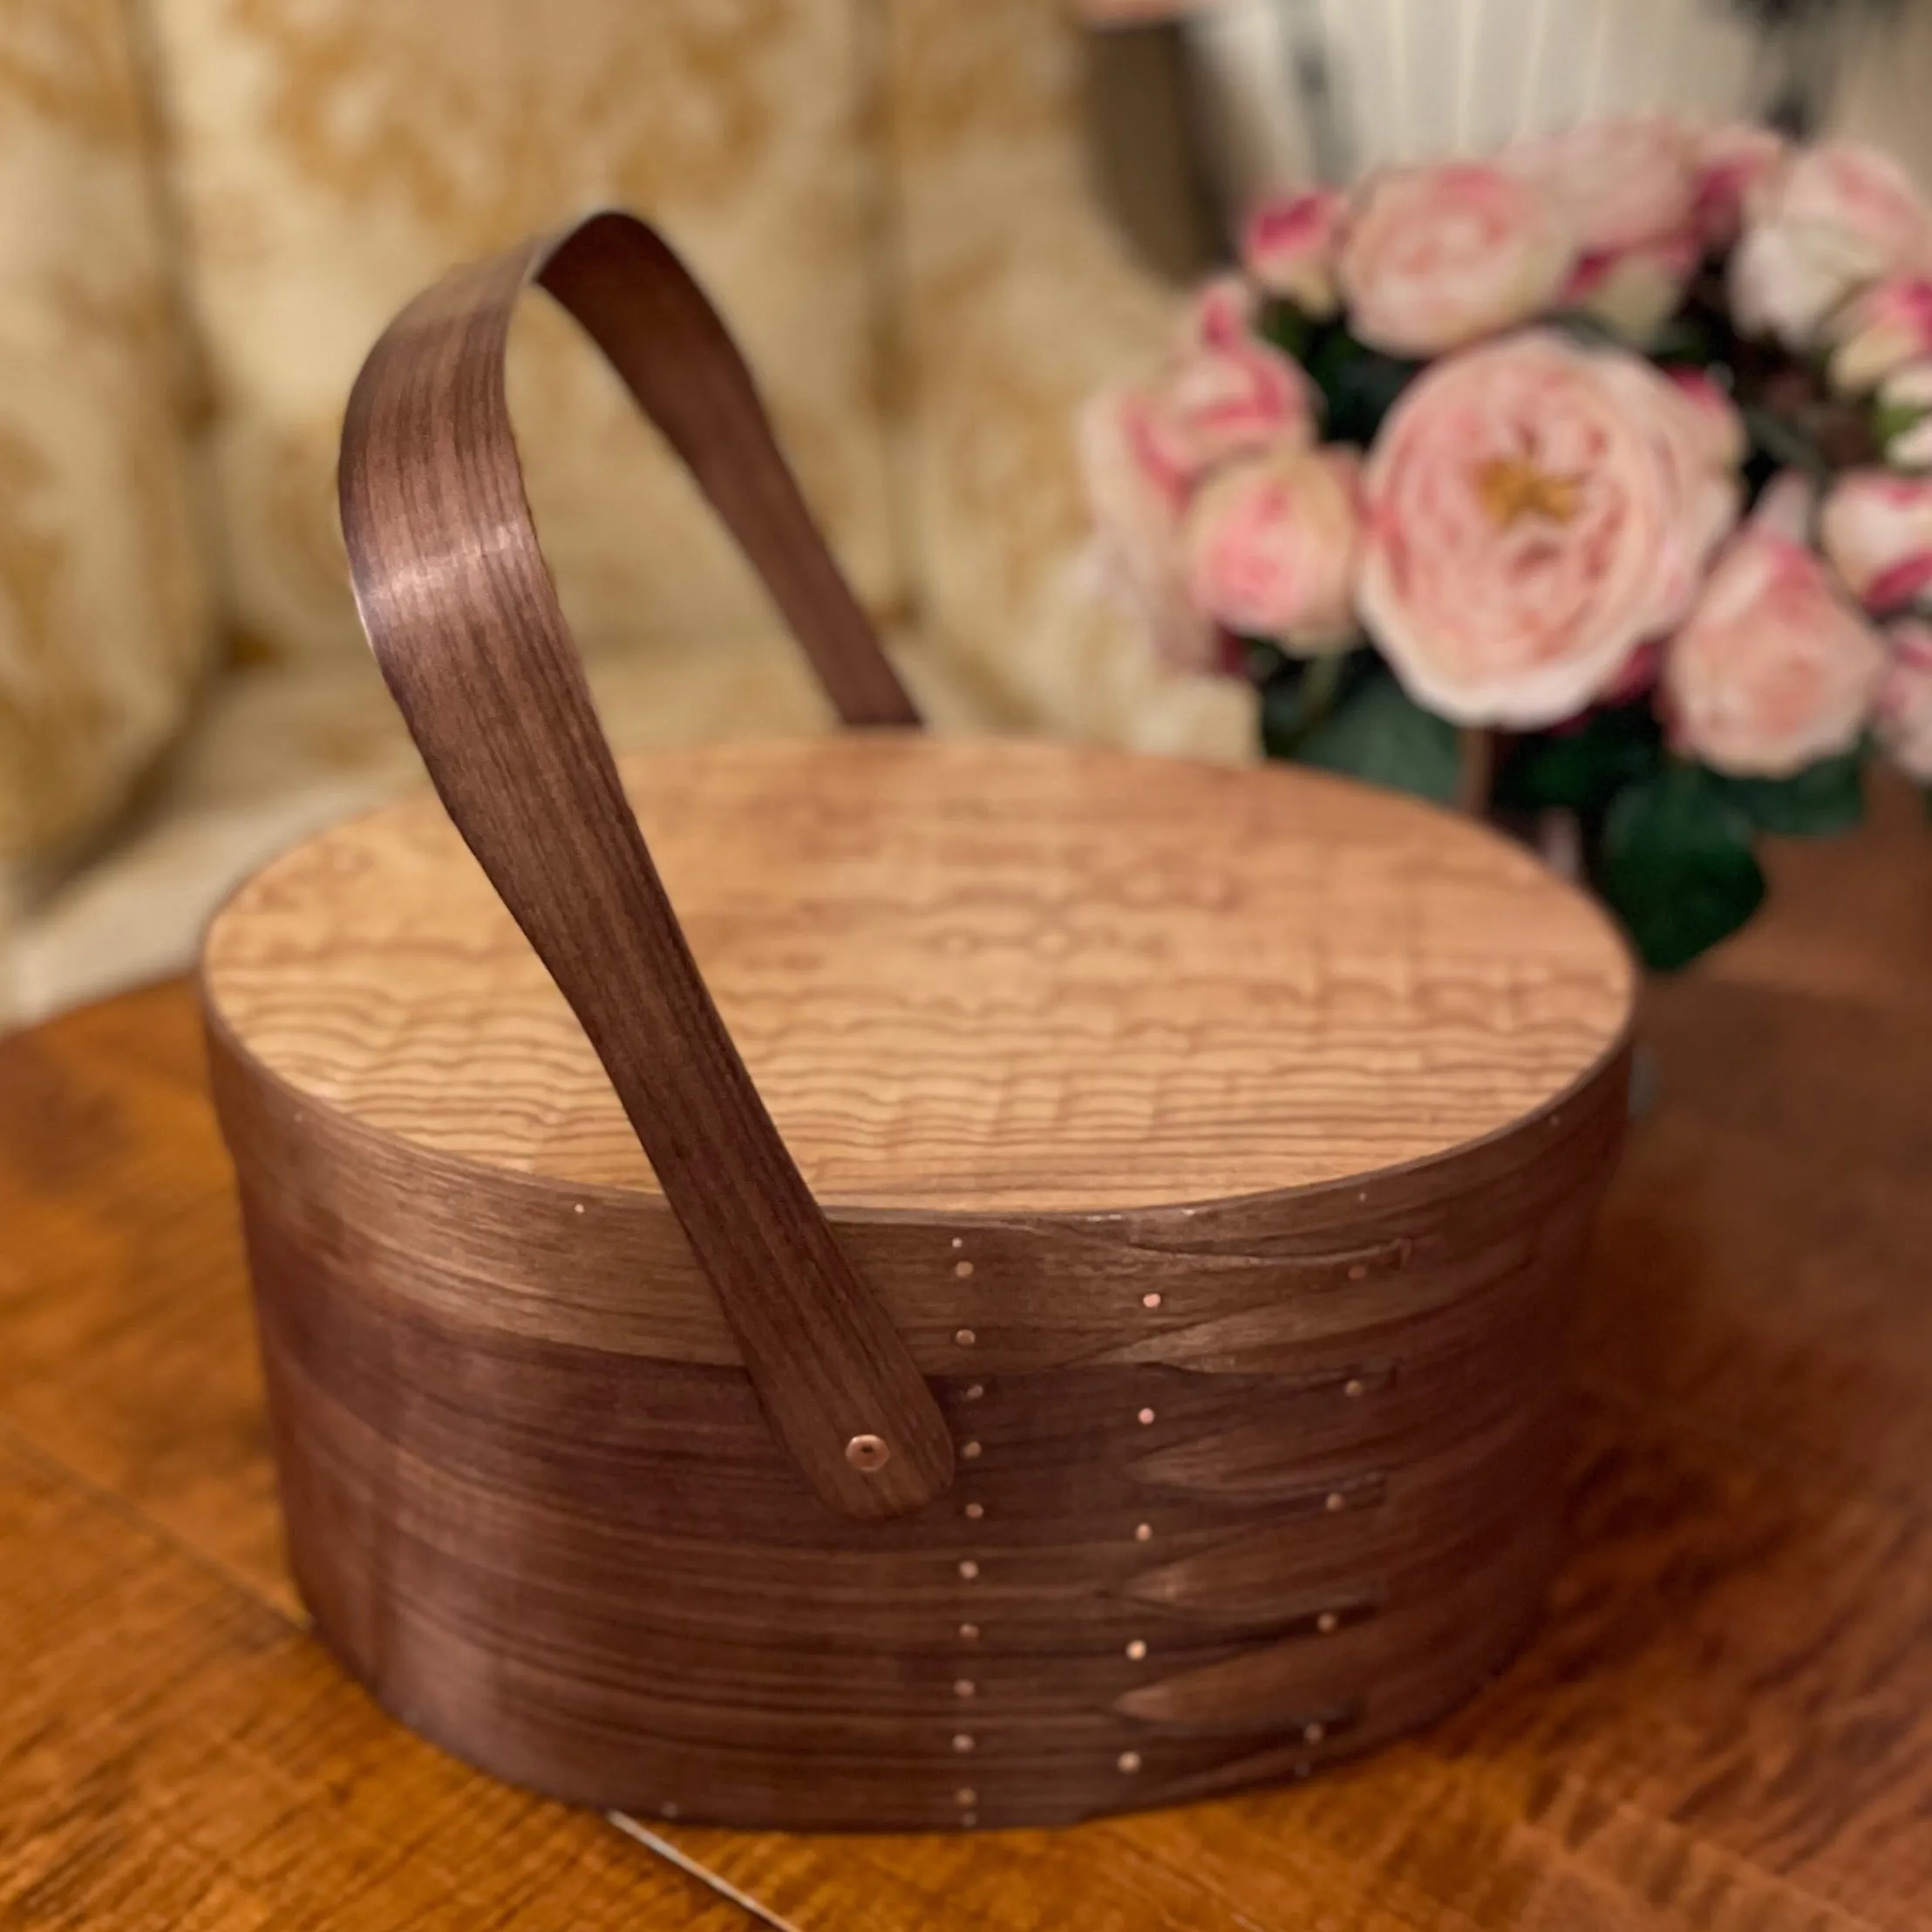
1596 471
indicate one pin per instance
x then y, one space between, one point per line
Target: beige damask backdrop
331 155
209 208
102 617
1017 298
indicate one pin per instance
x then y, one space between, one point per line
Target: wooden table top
1724 1722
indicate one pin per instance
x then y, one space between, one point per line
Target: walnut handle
459 608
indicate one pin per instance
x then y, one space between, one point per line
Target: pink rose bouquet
1598 471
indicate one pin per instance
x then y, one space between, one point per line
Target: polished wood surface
1724 1721
175 1751
977 978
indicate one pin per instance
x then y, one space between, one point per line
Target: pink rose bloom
1773 669
1635 290
1720 427
1618 182
1290 244
1880 331
1272 543
1699 439
1534 510
1227 391
1436 257
1221 315
1787 508
1905 406
1627 188
1832 219
1731 162
1876 528
1904 715
1137 495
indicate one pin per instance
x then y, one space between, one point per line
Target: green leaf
1676 864
1581 770
1285 717
1688 337
1786 445
1300 693
1265 662
1359 385
1380 734
1891 420
1287 327
1823 799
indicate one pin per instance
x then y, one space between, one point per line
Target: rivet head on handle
867 1453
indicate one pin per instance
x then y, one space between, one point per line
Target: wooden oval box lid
976 977
1036 1226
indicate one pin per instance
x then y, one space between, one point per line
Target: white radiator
1281 91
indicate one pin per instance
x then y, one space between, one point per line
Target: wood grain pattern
541 1432
982 977
584 1565
459 608
1720 1726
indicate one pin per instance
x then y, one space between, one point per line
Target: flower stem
1476 777
1321 684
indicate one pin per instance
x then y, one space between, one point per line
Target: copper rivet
963 1269
1314 1733
1143 1533
1128 1760
1327 1624
965 1337
969 1819
963 1742
959 1240
965 1795
1355 1385
1303 1768
962 1687
968 1633
667 1811
1138 1649
976 1511
576 1208
1364 1195
968 1569
975 1391
1146 1417
1151 1300
1359 1272
970 1451
867 1453
1335 1500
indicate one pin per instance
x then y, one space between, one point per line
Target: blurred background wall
1196 109
936 224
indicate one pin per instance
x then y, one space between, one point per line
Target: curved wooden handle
460 610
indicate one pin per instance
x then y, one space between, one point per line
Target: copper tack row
965 1797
